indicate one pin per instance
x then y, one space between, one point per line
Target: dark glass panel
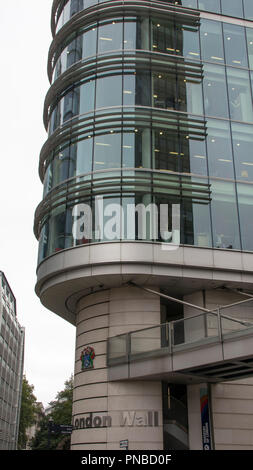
166 151
143 87
176 92
164 91
136 149
163 36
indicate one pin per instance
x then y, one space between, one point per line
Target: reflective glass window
219 148
60 229
249 35
48 180
84 156
89 42
61 166
188 41
245 192
243 144
235 45
211 41
224 215
248 9
70 104
232 8
113 219
74 52
110 36
196 223
190 95
107 151
43 242
109 91
210 5
215 91
129 89
87 97
136 149
240 98
193 155
130 32
88 3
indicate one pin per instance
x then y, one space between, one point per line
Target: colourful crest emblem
87 357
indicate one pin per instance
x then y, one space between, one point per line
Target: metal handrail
169 328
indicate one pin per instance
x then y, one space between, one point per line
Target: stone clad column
104 413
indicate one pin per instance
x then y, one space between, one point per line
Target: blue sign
205 420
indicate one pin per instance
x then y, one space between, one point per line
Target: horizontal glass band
128 180
204 221
113 9
121 119
125 62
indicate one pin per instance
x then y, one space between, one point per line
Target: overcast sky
25 37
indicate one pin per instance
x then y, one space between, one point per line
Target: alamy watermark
113 221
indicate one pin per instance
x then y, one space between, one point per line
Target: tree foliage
28 411
60 413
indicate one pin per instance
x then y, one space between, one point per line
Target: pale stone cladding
131 406
232 401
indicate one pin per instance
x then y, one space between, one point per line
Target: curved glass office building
147 215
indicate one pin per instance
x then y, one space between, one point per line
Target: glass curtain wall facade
11 367
151 107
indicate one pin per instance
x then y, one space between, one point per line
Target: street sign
60 429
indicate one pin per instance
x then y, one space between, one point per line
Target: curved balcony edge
66 277
108 9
